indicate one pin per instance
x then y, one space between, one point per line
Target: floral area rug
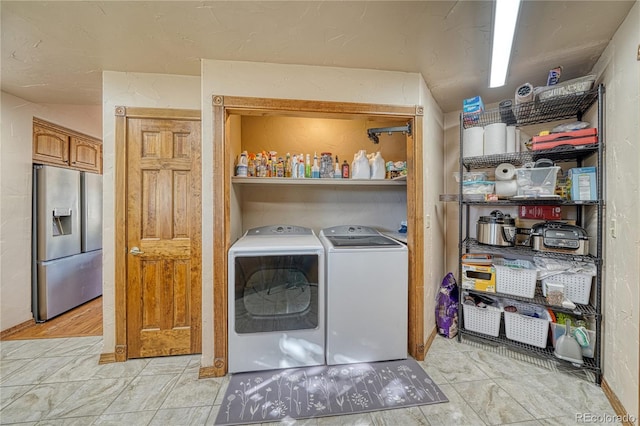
299 393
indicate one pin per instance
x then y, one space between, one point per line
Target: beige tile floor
59 382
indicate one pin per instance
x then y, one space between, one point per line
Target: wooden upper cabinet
56 145
85 154
50 146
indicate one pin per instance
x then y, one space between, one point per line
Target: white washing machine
367 295
276 299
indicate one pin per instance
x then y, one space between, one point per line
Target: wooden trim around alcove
223 107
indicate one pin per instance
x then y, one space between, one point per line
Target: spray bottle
315 169
307 167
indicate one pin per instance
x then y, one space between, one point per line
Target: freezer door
91 206
66 283
57 198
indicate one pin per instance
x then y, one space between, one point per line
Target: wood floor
85 320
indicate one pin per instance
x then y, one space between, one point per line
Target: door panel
50 146
163 198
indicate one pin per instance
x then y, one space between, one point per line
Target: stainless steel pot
497 229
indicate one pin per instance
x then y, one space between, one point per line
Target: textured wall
619 70
15 199
434 213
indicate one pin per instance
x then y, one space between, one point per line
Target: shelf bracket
374 134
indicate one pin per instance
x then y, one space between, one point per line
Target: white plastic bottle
378 168
294 166
301 167
315 169
307 167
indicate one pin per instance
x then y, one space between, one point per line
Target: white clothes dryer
367 295
276 299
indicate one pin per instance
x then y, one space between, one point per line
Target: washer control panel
280 230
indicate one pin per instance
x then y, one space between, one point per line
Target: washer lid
279 230
350 230
361 241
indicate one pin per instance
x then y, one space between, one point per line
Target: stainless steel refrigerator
67 240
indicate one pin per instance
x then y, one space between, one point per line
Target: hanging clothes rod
374 134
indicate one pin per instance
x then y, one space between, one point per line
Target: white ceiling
54 52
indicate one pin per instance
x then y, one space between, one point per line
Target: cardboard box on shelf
540 212
471 109
479 277
583 183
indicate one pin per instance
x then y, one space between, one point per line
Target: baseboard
16 328
616 404
429 342
107 358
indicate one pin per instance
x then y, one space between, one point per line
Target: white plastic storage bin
537 182
516 277
577 287
525 328
482 320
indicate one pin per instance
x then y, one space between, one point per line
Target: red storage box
540 212
577 137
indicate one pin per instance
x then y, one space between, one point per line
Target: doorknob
136 251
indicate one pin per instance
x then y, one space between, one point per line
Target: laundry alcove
296 126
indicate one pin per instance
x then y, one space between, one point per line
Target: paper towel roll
506 188
495 139
518 144
472 141
511 138
505 171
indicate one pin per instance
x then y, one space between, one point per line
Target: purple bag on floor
447 307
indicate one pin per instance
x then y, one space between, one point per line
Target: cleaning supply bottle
378 168
345 170
280 167
315 169
307 167
294 166
337 173
287 166
301 167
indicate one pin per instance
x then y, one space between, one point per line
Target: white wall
131 90
15 197
619 70
291 82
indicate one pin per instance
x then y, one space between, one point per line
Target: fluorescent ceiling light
504 26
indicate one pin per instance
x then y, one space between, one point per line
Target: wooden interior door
163 213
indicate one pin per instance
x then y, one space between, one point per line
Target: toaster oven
559 237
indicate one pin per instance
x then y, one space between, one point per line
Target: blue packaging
471 109
473 105
583 183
